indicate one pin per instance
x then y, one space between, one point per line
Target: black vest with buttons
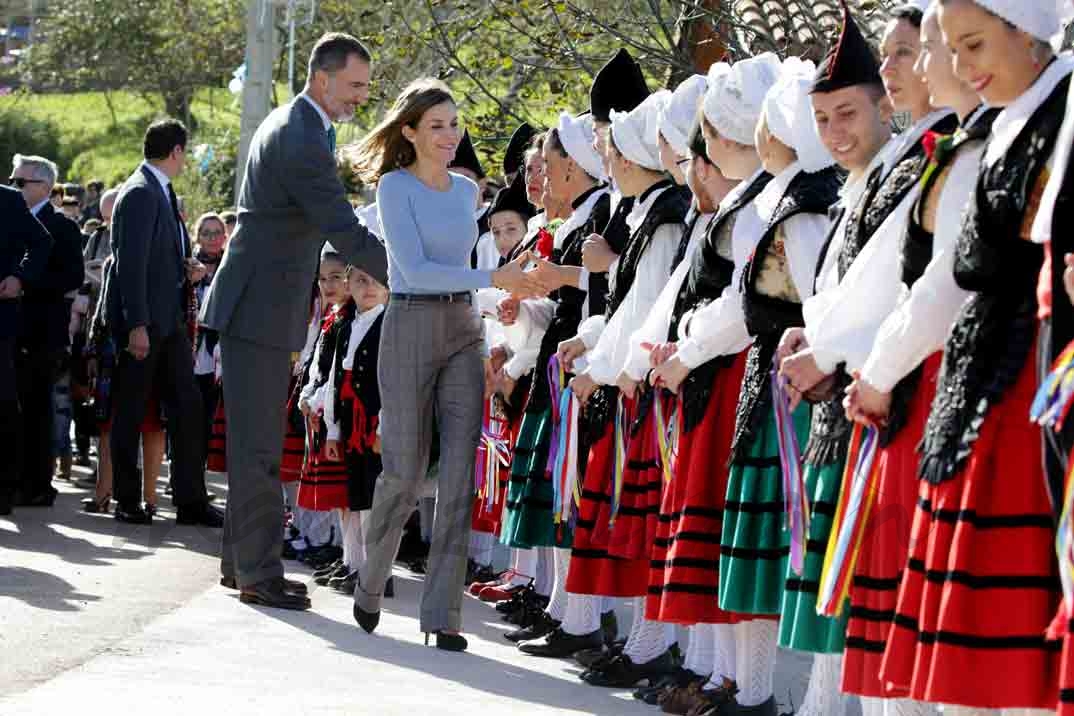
767 317
363 375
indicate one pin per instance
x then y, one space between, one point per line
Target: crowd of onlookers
59 394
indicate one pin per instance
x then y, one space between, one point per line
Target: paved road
92 616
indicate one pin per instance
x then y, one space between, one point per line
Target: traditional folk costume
294 441
623 478
981 585
904 361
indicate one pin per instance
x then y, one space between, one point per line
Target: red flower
928 142
545 241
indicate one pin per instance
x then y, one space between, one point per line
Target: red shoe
500 593
501 579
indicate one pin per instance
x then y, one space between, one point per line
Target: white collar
579 216
1012 120
852 190
371 314
161 176
320 111
641 208
36 208
905 141
732 196
769 198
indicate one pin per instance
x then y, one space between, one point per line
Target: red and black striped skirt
294 439
981 584
217 459
685 558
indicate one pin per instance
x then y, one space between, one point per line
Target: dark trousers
170 368
210 396
36 368
255 396
10 422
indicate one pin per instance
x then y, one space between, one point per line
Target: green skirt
800 627
754 544
527 520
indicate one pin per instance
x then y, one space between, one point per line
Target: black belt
460 297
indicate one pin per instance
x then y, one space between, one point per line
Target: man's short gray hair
43 168
332 50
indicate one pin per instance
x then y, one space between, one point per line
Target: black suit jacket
148 272
24 252
46 311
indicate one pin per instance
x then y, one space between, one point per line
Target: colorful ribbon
1050 408
665 435
622 430
557 385
566 492
795 500
857 493
493 453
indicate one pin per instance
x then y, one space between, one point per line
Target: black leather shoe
44 499
542 625
329 570
651 693
591 658
289 585
448 642
609 627
367 620
134 515
560 645
204 515
622 672
345 583
273 593
325 576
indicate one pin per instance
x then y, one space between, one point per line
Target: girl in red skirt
981 586
898 381
623 478
351 418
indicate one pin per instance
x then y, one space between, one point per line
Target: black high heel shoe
366 620
448 642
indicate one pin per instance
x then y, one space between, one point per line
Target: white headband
1039 18
636 133
576 136
678 117
788 112
733 100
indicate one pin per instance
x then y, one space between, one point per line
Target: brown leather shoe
680 699
273 593
711 702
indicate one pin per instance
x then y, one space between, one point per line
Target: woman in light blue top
430 351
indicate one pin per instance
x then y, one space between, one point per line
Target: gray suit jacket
291 202
148 272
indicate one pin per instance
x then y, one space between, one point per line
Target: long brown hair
385 149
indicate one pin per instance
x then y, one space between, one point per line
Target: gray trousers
430 364
255 386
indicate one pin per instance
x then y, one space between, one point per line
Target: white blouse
359 329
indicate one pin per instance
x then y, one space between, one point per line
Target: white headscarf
1039 18
788 111
636 132
576 136
733 100
1065 8
678 117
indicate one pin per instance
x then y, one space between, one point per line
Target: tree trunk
177 104
700 44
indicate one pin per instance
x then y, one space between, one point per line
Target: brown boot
706 700
680 699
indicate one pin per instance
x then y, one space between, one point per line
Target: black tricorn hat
513 198
466 157
619 85
850 61
515 154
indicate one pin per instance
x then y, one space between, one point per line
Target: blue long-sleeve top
429 234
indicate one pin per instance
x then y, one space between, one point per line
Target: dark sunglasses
19 182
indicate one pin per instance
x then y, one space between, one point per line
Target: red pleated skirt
981 585
294 441
217 460
685 558
324 484
634 531
886 546
488 518
592 569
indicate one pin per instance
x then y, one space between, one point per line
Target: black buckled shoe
542 625
558 644
650 694
622 672
590 658
721 702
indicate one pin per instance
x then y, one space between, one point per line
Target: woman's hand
549 275
569 351
512 278
792 342
865 404
332 451
597 255
670 374
1068 276
583 387
802 371
627 385
304 407
507 310
659 352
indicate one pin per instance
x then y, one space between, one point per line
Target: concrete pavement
93 617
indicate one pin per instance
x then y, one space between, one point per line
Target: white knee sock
318 529
648 639
699 649
823 697
582 615
545 576
607 604
557 604
723 653
755 660
524 564
872 706
353 544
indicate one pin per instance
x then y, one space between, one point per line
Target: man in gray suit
291 202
